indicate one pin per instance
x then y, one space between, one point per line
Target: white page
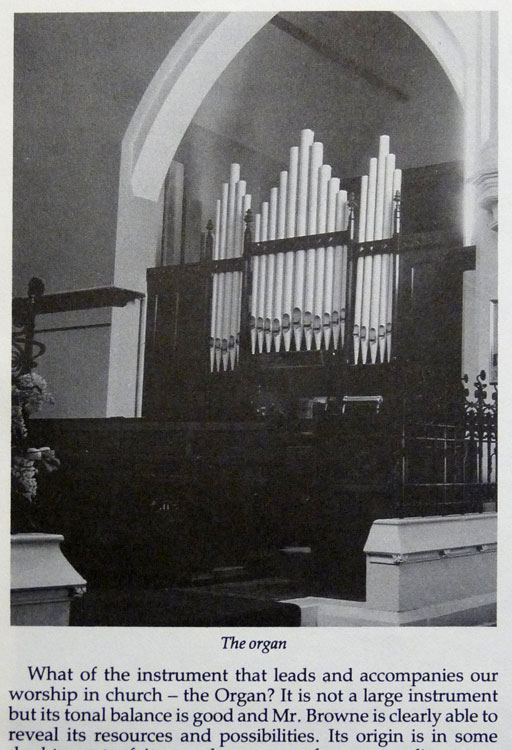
348 650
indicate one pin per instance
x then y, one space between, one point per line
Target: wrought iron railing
25 349
452 468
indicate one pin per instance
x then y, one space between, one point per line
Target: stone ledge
423 534
392 558
43 582
320 612
426 571
37 562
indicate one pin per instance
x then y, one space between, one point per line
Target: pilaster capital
486 181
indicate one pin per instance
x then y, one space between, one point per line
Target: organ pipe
306 143
291 213
360 267
317 151
328 290
319 303
377 259
340 279
277 303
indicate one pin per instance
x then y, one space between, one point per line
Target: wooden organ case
340 377
310 299
426 355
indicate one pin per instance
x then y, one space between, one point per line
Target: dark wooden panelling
427 337
82 299
153 504
431 198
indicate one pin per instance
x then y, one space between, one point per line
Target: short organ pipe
227 285
277 304
327 318
340 280
318 300
360 268
368 261
393 276
255 285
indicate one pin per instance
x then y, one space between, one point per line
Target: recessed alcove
335 74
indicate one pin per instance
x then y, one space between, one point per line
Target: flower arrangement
29 395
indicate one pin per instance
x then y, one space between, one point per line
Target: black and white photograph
254 320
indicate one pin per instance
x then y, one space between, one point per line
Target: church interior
255 260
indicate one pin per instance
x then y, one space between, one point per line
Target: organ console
315 295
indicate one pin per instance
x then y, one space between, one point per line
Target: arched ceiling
349 76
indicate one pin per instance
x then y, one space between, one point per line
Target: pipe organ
319 335
314 295
298 296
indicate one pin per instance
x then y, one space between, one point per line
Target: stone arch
187 74
436 34
170 102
